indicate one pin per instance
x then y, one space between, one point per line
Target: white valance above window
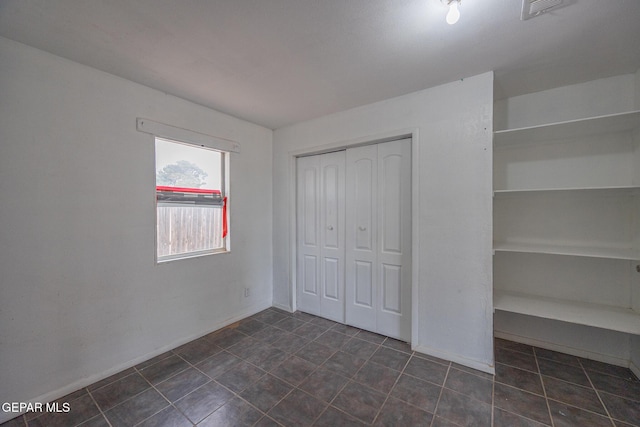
175 133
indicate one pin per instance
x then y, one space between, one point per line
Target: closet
354 237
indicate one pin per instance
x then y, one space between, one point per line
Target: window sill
190 255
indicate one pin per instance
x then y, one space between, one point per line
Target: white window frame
199 140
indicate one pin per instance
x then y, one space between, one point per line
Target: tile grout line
495 382
329 404
136 371
190 365
296 387
493 397
352 379
393 386
435 409
597 393
511 365
264 414
544 389
593 388
238 394
158 391
526 417
99 408
349 379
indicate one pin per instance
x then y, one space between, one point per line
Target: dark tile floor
280 369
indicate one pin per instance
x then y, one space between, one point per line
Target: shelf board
610 253
569 129
599 316
622 189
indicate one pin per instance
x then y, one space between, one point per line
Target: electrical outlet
246 292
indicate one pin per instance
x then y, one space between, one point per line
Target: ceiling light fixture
454 14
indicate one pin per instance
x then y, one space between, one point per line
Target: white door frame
415 229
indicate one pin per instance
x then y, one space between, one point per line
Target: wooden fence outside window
183 229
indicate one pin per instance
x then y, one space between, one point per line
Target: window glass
184 165
190 200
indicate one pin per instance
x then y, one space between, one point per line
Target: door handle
361 228
330 227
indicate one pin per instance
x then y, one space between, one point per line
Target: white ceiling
277 62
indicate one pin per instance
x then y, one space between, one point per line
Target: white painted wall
452 250
80 294
599 97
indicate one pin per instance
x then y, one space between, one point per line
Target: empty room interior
328 213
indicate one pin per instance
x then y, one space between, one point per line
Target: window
191 200
192 190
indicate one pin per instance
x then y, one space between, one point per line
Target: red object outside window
186 190
224 217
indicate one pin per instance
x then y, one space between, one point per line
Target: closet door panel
332 226
332 280
310 205
330 196
308 235
310 275
390 183
364 291
391 288
394 253
362 202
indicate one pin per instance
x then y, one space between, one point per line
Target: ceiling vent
533 8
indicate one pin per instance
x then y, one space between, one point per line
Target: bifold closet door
378 239
320 235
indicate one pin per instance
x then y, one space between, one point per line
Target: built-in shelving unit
580 128
593 252
628 189
598 315
567 221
